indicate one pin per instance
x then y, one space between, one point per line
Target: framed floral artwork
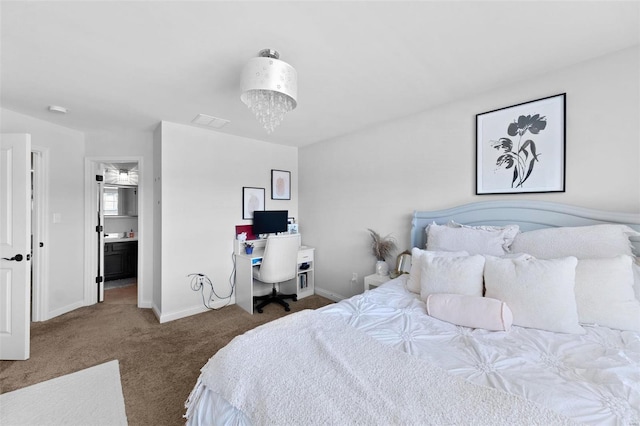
521 148
252 200
280 185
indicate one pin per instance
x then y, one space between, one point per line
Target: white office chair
279 264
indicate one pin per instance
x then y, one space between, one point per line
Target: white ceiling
124 66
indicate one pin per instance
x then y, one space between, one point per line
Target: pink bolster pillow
470 311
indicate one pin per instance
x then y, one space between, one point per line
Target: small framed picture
252 200
280 185
521 148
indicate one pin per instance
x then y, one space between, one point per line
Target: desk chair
279 264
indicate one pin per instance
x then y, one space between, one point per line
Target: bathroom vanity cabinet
120 260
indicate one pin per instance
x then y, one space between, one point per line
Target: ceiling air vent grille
209 121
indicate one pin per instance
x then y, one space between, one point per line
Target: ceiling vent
58 108
209 121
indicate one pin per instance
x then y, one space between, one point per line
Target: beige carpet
159 363
88 397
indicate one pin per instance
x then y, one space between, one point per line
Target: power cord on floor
198 283
232 277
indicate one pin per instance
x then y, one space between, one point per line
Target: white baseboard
146 304
172 316
329 295
64 310
156 311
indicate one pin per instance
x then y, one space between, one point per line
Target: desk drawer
305 256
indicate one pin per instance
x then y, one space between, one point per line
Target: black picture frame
280 184
522 148
252 200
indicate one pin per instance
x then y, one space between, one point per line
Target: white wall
64 152
377 177
157 221
130 144
202 174
374 178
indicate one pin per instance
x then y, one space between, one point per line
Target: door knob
17 258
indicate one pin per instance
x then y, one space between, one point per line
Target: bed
560 346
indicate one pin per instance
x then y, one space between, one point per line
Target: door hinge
99 280
99 228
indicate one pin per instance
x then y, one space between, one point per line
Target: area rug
87 397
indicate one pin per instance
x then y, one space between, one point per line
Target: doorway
119 215
39 233
114 214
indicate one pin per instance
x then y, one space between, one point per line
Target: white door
15 265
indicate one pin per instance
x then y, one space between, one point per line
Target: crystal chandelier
269 88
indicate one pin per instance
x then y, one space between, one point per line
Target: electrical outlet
354 277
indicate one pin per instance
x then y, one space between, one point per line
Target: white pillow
459 275
583 242
509 231
470 311
494 241
540 293
413 282
604 293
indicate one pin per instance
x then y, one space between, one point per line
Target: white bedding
592 378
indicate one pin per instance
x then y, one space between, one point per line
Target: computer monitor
270 221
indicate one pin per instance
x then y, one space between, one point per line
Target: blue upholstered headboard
529 215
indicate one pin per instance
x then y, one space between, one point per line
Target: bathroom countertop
119 239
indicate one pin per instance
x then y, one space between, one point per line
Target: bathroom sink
114 236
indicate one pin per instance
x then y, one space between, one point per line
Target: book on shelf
303 281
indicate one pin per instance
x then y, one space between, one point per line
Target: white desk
302 285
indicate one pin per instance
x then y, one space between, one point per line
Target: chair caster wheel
259 311
287 309
295 299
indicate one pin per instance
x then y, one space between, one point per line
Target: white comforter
592 378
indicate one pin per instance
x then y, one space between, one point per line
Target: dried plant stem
381 247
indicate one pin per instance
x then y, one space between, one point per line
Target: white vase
382 268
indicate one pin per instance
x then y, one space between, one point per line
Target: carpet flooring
159 363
